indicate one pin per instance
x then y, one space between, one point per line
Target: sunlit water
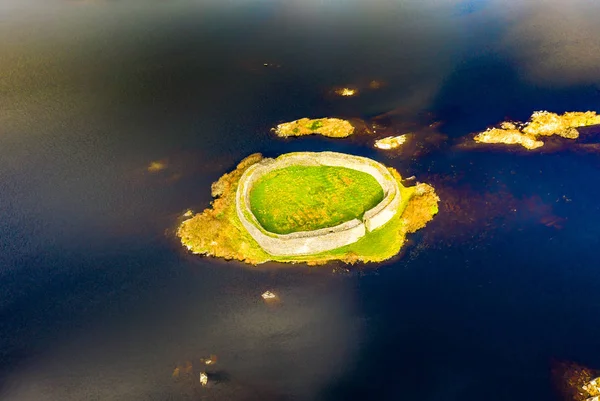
98 301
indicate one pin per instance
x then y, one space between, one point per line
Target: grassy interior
304 198
378 245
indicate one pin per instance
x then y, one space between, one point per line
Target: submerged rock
156 166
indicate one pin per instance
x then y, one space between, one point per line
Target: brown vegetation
575 382
421 208
212 232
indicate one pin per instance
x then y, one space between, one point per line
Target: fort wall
325 239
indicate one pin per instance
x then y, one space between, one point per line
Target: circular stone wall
324 239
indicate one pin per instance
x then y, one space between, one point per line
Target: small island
311 207
508 134
331 127
390 142
540 124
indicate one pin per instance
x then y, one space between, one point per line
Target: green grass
305 198
375 246
315 125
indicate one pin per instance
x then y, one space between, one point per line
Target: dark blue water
99 302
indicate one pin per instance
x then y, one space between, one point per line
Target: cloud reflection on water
264 351
555 42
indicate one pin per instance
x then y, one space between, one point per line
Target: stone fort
324 239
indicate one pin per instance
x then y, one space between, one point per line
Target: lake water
99 302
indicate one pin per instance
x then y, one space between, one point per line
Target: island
331 127
310 207
390 142
540 124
